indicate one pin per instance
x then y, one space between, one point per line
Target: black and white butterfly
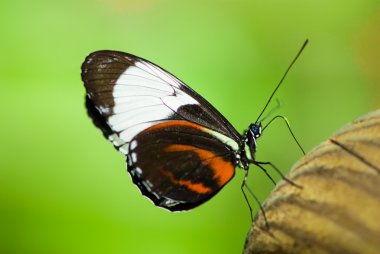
180 150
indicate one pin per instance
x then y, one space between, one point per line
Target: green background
64 189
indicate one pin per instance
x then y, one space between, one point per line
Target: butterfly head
255 130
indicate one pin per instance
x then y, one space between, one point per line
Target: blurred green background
64 189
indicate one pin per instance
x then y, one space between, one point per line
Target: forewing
127 94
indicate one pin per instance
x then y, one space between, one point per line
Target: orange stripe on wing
196 187
223 170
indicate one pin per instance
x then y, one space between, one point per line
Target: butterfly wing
178 165
180 149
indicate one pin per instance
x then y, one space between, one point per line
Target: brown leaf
337 210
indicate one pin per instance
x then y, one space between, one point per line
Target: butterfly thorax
248 147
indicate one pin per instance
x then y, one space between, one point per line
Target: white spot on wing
134 157
104 110
148 188
133 144
138 171
155 194
124 149
170 202
149 183
116 141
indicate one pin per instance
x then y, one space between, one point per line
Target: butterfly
180 150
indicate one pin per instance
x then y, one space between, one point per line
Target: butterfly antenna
283 77
290 129
278 105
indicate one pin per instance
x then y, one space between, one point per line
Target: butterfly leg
265 171
260 163
245 196
244 184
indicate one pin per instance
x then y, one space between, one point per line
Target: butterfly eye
256 130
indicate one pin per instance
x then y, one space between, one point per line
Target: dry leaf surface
338 208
